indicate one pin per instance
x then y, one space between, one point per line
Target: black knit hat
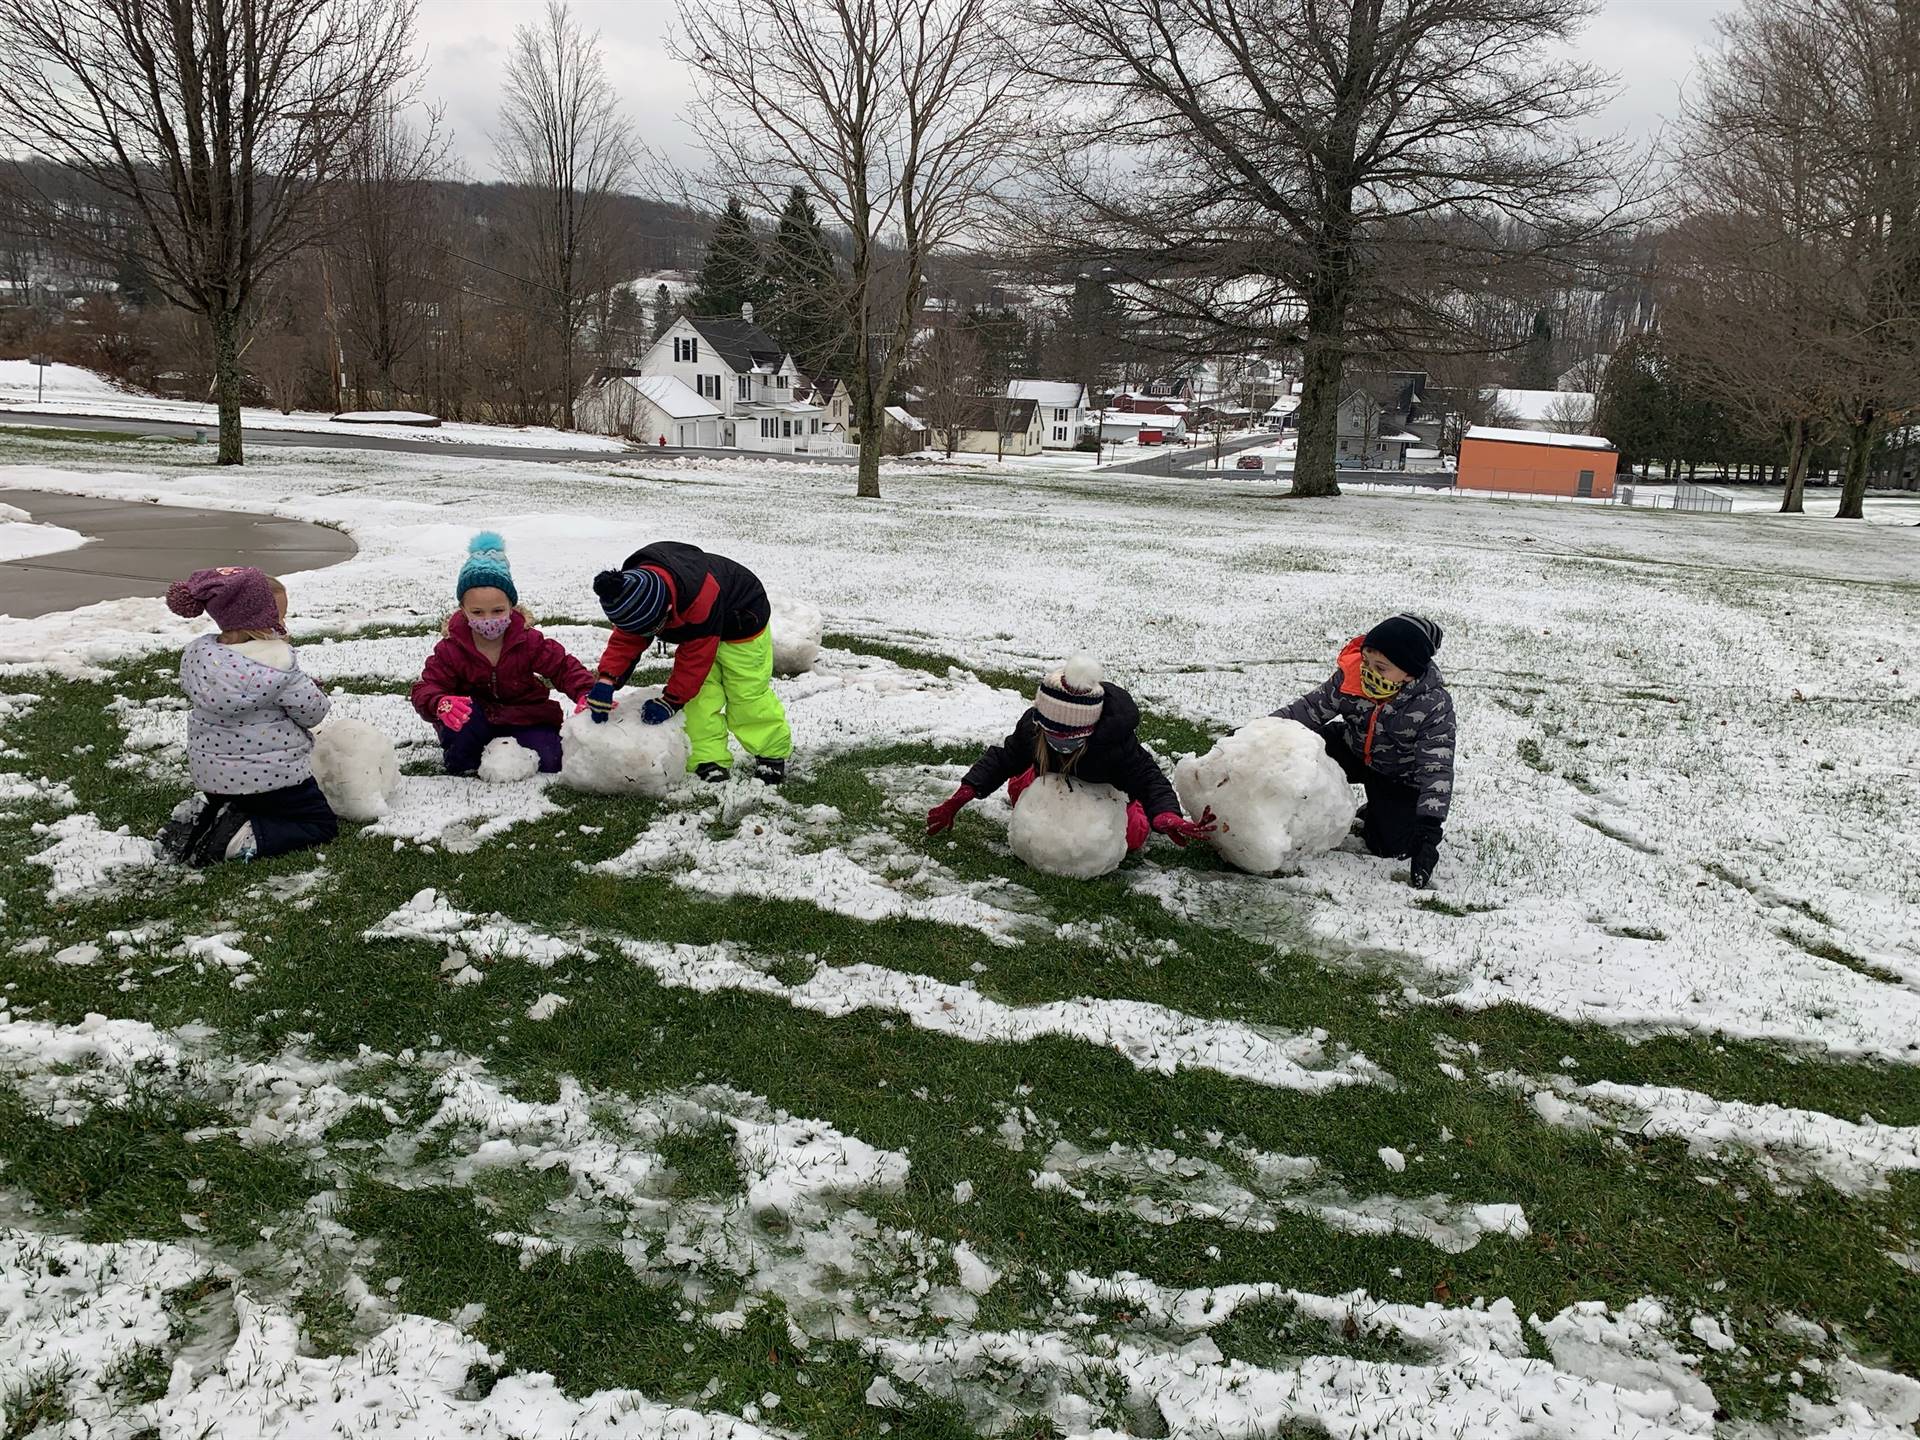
1407 640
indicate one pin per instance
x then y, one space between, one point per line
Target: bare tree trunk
1319 414
227 376
1799 451
1853 481
867 413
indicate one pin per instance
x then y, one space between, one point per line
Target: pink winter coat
514 692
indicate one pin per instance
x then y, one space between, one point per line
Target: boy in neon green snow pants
714 612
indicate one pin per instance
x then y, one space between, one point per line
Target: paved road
1172 460
346 438
138 549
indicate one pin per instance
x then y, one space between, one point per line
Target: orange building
1536 462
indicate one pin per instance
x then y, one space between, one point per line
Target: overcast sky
1649 44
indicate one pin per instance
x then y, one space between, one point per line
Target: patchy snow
21 539
86 859
1162 1187
431 917
1848 1155
1151 1037
771 853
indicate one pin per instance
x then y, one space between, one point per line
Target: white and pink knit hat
1071 698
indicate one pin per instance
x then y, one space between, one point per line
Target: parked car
1250 462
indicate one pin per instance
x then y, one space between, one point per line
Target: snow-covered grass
73 390
763 1107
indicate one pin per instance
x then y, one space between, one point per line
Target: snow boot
176 836
769 772
210 846
711 771
1359 821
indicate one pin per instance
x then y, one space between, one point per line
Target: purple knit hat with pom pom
239 597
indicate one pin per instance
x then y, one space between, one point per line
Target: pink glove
1017 786
584 703
454 711
1136 825
1181 830
942 816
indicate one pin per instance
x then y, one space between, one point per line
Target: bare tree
1344 172
948 370
565 144
384 208
217 122
896 115
1570 412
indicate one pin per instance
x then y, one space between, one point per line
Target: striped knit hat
635 600
1070 699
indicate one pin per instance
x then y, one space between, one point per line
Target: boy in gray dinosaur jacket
249 746
1387 718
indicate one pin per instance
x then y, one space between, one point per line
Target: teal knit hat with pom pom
486 565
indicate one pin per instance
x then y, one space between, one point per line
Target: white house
725 380
1063 409
653 409
1123 426
978 431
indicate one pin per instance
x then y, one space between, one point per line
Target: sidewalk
138 549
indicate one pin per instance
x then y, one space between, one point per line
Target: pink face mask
492 628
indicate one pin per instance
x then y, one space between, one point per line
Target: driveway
139 549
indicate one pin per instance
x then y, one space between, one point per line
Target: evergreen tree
663 312
733 274
1533 367
803 291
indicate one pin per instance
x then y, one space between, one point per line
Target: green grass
1611 1219
47 437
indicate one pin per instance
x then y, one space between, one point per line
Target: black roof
984 414
741 343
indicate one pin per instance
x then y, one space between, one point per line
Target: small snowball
1079 832
506 760
356 769
1392 1159
797 628
625 755
1275 792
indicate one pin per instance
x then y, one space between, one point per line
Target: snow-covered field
1179 1151
73 390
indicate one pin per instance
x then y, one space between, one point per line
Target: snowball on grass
797 628
624 755
1079 832
356 768
506 760
1275 791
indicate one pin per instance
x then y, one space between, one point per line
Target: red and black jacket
710 599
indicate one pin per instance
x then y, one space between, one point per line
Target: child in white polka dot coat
249 746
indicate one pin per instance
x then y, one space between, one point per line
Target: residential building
739 372
1369 435
1063 409
653 409
979 431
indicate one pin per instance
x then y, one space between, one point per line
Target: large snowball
1079 832
356 768
625 755
506 760
797 628
1274 789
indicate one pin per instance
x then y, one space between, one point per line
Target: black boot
711 771
210 845
176 836
769 772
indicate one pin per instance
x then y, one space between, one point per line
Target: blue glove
600 701
658 711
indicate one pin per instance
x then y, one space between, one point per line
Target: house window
786 429
780 381
815 430
766 427
1060 415
746 387
686 349
1059 432
709 386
